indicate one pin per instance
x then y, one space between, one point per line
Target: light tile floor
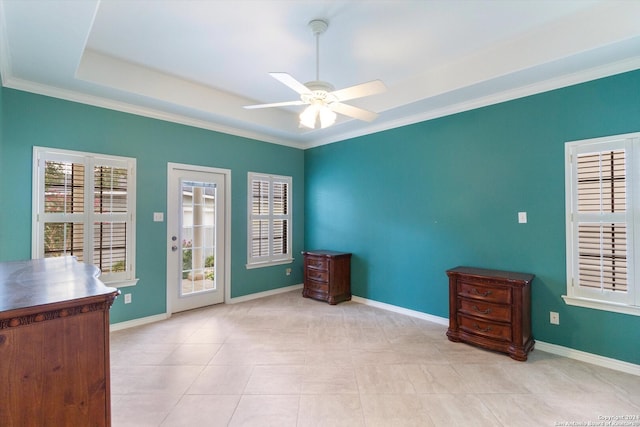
289 361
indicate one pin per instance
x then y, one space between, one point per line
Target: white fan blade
358 91
355 112
287 80
274 104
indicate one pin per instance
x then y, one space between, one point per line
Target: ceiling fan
321 97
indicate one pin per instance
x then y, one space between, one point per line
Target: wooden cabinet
491 309
54 344
327 276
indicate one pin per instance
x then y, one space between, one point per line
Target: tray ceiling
199 62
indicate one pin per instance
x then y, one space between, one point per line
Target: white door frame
226 280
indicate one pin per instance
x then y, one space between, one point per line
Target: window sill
602 305
122 283
268 263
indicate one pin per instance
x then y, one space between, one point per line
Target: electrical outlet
287 272
554 318
127 298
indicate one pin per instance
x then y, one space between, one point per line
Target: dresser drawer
486 310
315 286
317 263
318 275
487 329
484 292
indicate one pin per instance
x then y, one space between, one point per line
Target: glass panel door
195 231
198 237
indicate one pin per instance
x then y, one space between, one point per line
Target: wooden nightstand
491 309
327 276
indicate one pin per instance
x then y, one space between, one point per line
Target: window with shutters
603 206
269 222
84 206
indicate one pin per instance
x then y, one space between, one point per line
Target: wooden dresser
491 309
327 276
54 344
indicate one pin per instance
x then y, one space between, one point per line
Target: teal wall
412 202
409 202
29 120
2 215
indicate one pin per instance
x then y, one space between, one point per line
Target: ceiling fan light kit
309 117
321 98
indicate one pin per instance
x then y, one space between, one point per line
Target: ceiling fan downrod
318 26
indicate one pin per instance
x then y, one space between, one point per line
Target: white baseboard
138 322
420 315
263 294
163 316
594 359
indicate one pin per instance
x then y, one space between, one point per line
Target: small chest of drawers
327 276
491 309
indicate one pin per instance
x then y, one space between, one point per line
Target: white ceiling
199 62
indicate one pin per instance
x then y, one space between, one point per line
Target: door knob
174 248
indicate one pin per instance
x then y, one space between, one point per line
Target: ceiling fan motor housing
320 91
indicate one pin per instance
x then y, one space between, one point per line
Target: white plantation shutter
280 217
84 207
259 218
63 207
600 222
110 204
602 196
603 256
269 219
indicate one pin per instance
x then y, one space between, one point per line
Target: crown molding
579 77
430 114
96 101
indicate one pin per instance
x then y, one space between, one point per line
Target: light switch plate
522 217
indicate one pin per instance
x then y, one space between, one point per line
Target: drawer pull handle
487 329
482 294
487 311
